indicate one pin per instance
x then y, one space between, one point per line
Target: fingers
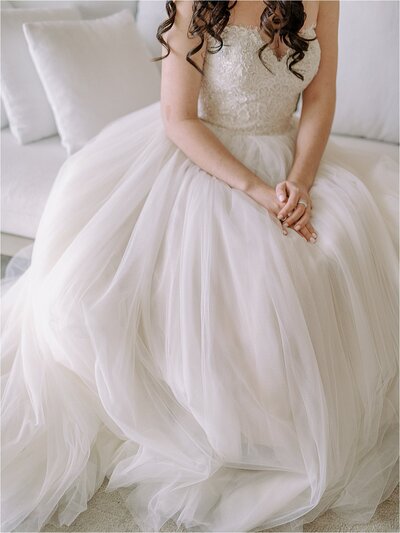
290 205
280 191
303 227
294 216
306 233
303 223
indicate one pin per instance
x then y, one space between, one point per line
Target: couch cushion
27 175
369 148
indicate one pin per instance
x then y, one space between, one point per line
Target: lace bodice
237 91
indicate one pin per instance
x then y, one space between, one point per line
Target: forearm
202 146
313 133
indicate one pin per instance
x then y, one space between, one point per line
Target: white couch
28 171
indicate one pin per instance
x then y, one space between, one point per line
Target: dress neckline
256 30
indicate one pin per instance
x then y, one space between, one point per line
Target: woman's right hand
266 196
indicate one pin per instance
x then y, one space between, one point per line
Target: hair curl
285 17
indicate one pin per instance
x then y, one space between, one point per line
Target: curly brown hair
285 17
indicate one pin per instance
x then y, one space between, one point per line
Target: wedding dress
166 335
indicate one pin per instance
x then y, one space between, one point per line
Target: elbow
169 129
322 101
323 96
171 121
172 129
177 116
174 126
168 120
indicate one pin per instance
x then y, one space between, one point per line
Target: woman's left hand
294 214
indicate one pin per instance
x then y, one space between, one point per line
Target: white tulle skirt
166 335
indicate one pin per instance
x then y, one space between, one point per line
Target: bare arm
319 100
180 86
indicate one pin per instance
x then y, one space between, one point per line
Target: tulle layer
167 335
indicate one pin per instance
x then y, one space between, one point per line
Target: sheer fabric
165 334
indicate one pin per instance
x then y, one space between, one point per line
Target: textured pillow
29 113
368 71
93 71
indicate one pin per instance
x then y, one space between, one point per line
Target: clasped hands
282 202
291 213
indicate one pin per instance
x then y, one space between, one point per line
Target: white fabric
167 335
29 113
27 175
94 71
4 118
368 72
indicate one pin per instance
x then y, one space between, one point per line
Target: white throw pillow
94 71
29 113
368 71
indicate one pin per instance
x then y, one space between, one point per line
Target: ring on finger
302 202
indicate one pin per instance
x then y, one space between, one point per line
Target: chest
248 14
237 65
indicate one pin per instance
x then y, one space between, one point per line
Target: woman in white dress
172 334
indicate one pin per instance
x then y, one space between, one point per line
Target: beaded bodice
237 91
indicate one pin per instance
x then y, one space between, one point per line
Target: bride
209 316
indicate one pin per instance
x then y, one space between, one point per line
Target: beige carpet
106 512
